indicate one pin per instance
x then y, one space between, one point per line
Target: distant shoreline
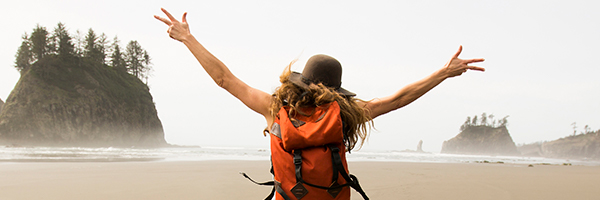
194 153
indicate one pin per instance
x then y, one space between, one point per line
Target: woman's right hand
179 31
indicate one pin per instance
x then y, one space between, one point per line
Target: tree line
484 120
94 48
586 130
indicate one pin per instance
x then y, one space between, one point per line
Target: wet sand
221 180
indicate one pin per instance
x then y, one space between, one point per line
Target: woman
318 84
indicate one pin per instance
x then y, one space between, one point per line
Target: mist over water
79 154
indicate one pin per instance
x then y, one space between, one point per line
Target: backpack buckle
297 157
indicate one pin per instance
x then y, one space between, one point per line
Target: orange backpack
308 156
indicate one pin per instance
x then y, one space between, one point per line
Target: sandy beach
221 180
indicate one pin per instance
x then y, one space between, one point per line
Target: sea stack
481 140
79 104
420 146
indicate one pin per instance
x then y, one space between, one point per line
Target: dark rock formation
583 146
481 140
79 104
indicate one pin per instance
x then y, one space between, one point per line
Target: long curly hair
357 121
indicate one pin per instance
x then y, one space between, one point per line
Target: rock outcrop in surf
78 103
71 94
482 135
481 140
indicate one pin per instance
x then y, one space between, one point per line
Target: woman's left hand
457 66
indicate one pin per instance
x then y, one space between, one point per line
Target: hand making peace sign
177 30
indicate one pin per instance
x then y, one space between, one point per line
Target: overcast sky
541 60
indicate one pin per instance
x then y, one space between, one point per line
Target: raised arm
255 99
411 92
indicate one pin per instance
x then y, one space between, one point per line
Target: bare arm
255 99
411 92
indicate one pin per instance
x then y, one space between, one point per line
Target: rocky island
482 138
479 136
73 97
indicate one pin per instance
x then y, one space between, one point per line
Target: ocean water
79 154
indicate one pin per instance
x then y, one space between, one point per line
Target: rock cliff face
1 105
77 104
481 140
584 146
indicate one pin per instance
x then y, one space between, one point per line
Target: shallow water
80 154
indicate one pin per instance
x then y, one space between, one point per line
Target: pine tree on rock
24 56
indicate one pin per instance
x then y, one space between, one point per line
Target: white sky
540 60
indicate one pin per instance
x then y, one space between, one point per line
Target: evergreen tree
116 58
79 40
587 129
65 47
102 45
39 42
90 43
466 124
24 56
504 121
147 69
92 50
137 60
134 59
484 119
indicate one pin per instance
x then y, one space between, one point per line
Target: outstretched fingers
183 19
474 60
171 19
476 68
169 15
166 21
457 52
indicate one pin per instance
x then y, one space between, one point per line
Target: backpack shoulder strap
351 179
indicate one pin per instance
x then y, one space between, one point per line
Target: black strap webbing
298 165
351 179
268 183
270 197
257 183
280 191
